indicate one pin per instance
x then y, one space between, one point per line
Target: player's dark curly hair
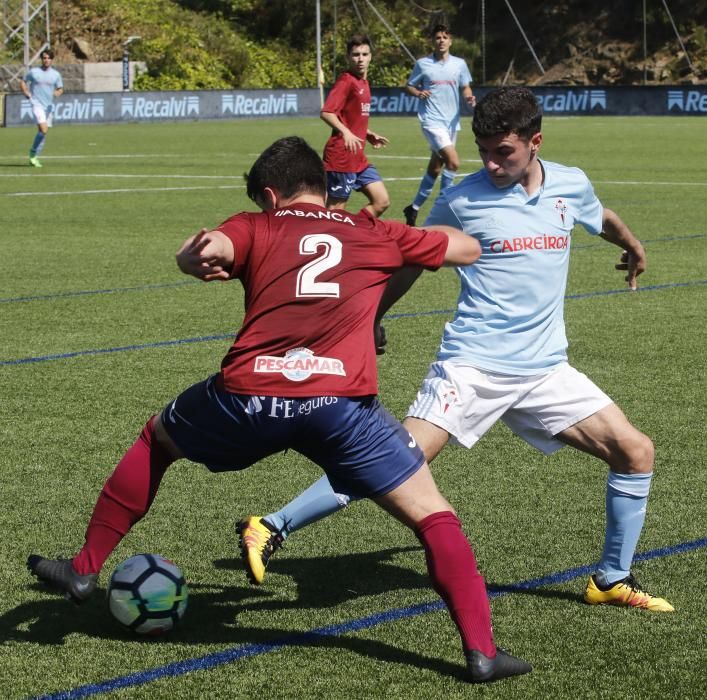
507 110
290 166
357 40
440 28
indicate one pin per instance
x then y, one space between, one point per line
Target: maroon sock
125 498
452 568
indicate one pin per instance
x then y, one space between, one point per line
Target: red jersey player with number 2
301 375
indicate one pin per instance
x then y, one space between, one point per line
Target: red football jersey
313 278
350 100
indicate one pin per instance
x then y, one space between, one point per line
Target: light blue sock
447 179
626 499
38 144
318 501
424 191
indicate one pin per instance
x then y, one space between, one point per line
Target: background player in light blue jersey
503 356
437 81
40 86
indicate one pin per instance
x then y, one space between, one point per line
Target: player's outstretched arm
208 255
469 96
417 92
25 89
633 259
461 249
398 284
351 141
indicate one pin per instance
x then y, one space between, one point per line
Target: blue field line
145 287
583 295
91 292
223 336
227 656
644 241
124 348
649 288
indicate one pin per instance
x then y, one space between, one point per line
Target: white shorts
466 402
439 138
42 115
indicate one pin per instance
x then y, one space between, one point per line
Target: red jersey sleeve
417 246
338 96
239 229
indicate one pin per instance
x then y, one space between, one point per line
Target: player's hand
352 142
203 256
423 94
634 263
376 140
472 101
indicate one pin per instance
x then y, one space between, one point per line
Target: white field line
125 190
157 156
123 175
651 183
102 156
147 190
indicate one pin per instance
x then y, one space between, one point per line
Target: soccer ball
147 594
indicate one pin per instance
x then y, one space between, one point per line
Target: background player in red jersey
301 375
346 111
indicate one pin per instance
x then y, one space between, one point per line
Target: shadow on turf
321 582
213 614
51 621
212 617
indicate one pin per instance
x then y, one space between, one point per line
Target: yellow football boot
258 542
625 593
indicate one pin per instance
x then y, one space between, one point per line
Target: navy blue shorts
340 185
364 451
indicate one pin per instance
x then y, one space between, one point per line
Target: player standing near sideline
40 86
504 355
346 110
301 374
437 81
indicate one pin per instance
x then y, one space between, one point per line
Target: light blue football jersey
509 317
443 79
42 84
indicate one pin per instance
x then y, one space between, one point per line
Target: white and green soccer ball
147 594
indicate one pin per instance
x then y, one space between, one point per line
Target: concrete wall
77 77
108 77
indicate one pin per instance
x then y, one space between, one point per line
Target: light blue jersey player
503 356
40 86
509 317
439 81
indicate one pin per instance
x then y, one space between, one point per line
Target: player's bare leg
608 435
378 197
429 437
38 144
629 453
451 564
334 203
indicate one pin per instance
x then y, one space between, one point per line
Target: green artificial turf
93 315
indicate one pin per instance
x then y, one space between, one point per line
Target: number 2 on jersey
307 285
